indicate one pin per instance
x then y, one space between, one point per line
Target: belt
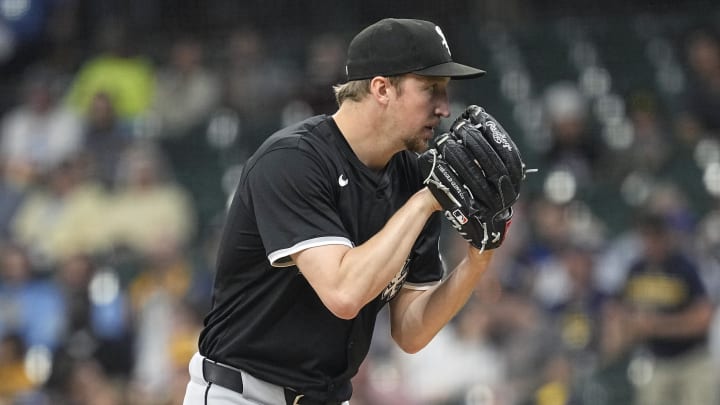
231 378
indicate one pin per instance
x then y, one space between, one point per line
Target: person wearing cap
329 223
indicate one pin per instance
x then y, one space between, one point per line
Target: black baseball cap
395 46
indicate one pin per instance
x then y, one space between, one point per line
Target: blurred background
125 125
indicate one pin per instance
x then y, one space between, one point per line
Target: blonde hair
356 90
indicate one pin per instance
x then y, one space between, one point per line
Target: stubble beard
416 144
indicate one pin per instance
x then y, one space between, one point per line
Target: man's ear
379 88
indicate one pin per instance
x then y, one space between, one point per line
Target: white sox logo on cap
444 41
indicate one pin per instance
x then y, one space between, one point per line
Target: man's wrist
429 200
479 255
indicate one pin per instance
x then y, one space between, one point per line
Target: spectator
573 145
650 150
256 86
31 308
447 369
97 319
556 381
520 333
187 89
39 133
557 225
566 290
609 382
148 209
669 200
14 379
324 67
167 334
167 268
664 199
703 94
106 137
667 313
64 218
127 77
167 296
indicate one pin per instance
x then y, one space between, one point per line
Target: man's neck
362 127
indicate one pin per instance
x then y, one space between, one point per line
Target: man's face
418 107
657 244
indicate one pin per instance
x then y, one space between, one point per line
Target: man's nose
443 108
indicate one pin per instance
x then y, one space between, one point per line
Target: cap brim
451 69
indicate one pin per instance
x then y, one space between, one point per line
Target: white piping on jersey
281 258
420 286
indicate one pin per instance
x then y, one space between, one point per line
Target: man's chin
418 145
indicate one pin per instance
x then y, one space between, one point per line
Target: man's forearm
692 322
418 317
347 279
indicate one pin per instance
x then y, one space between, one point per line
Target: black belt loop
222 375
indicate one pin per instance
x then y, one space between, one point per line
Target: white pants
255 391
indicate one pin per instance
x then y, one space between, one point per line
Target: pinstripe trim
207 392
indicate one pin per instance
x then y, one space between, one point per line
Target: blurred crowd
115 171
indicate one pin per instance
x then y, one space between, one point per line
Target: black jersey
668 287
303 188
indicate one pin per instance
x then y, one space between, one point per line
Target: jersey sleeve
292 200
425 267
